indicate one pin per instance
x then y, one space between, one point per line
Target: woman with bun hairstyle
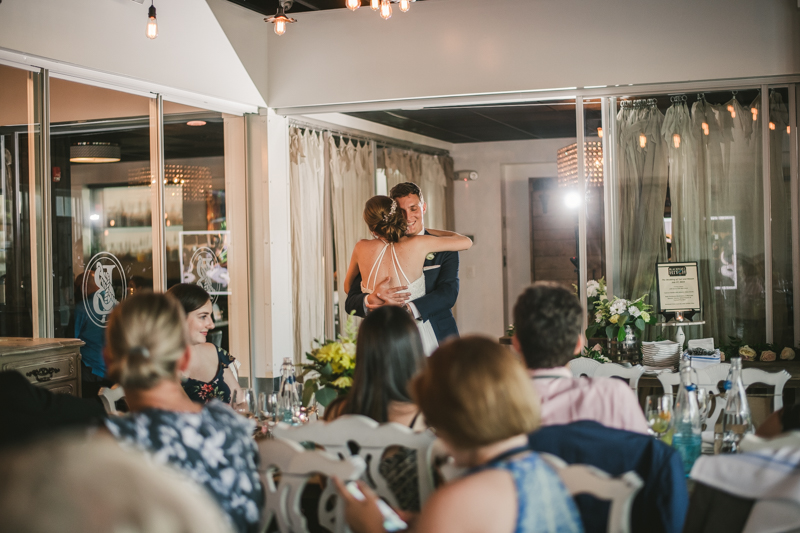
398 256
147 348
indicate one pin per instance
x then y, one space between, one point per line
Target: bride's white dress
416 288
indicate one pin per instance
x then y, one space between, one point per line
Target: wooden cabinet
54 364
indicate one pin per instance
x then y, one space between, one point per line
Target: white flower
597 348
634 311
618 307
605 359
598 317
592 288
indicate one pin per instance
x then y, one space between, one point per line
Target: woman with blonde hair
398 257
146 350
477 396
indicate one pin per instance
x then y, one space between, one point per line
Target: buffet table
53 364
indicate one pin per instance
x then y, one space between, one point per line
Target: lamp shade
94 152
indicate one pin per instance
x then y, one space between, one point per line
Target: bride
395 255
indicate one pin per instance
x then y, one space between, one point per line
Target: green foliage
331 368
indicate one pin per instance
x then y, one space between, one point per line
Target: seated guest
28 411
209 375
76 485
389 352
477 396
784 419
547 324
93 368
147 349
659 507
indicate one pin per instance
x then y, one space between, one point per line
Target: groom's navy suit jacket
441 288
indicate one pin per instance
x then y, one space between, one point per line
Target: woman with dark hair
208 375
397 257
389 353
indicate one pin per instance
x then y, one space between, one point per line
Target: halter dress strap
374 265
396 262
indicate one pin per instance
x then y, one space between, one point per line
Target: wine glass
267 405
243 402
658 411
703 404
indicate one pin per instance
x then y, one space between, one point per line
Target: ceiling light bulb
600 132
196 123
754 111
676 140
772 126
704 125
375 4
386 9
405 5
732 110
152 23
642 140
280 27
280 20
352 5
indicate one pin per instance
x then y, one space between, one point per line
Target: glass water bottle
736 419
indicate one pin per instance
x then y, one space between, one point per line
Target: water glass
658 411
243 401
703 404
267 405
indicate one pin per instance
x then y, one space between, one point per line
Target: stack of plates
660 354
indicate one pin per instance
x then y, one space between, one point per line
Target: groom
440 269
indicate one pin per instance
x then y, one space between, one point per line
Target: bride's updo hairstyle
146 337
385 218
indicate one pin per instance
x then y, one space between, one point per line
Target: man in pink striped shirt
547 325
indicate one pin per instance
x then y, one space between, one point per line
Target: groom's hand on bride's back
386 295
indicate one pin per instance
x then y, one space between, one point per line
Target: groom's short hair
547 322
401 190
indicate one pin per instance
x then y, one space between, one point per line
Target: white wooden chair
583 366
778 380
295 465
708 378
586 479
108 398
356 435
752 443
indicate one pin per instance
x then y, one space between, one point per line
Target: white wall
447 47
191 53
478 212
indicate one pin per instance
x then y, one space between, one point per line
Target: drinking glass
658 411
703 404
243 402
267 405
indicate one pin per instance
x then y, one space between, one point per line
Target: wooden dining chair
583 366
778 380
109 397
586 479
293 466
360 436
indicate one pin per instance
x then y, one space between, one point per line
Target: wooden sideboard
54 364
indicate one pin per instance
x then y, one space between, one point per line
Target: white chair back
708 378
752 443
586 479
583 366
295 465
776 379
108 397
359 435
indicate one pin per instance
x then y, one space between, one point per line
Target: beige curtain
352 185
306 179
425 170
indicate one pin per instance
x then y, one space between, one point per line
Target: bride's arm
352 270
443 241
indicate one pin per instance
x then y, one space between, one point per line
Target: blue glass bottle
687 430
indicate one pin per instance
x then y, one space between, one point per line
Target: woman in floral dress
209 374
147 349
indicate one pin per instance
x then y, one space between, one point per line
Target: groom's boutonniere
430 256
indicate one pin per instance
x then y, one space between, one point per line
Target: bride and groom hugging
406 265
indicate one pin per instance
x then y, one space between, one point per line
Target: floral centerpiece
596 353
611 316
331 368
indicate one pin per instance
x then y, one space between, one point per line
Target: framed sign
678 287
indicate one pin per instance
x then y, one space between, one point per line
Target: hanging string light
676 140
352 5
405 5
754 111
772 126
152 23
600 132
642 140
279 19
375 4
704 125
386 9
732 110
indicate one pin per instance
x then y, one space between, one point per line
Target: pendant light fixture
405 5
386 9
152 23
352 5
375 4
280 19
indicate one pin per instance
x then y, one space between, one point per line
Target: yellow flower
645 316
342 382
614 319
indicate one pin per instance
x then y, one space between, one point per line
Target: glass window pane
197 236
780 174
101 198
15 239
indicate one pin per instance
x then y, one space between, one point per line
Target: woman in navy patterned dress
147 349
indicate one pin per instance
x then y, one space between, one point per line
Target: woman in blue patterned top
209 374
147 349
477 396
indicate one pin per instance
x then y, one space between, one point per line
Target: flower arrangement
612 316
596 353
332 366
